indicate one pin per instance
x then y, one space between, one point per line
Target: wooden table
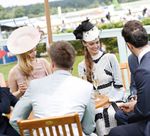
103 100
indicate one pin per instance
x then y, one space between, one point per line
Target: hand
22 87
128 107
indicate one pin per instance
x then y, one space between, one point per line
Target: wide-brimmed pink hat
23 39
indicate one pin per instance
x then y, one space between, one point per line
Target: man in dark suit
133 64
136 38
6 100
121 116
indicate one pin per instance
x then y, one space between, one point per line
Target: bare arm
12 83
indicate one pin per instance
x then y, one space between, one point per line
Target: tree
116 4
18 12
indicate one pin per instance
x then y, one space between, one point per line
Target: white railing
122 48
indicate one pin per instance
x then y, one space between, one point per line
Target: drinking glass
96 92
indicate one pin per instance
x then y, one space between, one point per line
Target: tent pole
48 21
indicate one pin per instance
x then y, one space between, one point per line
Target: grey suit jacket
57 94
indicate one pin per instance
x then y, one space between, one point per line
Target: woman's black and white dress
106 69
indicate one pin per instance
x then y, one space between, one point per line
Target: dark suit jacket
133 64
142 81
6 100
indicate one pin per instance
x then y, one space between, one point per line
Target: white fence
123 50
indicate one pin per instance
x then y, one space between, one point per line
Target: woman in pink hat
100 68
22 42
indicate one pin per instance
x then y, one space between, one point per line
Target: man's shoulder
81 85
80 81
132 58
144 67
145 61
39 81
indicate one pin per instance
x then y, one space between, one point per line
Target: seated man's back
59 93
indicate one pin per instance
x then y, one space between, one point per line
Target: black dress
6 100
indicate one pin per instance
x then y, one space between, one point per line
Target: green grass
5 68
75 66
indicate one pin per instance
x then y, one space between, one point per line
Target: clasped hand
22 88
128 107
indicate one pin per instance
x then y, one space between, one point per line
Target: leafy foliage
37 10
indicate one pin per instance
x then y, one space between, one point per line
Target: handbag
105 119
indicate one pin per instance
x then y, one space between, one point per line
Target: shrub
110 43
78 47
146 21
41 48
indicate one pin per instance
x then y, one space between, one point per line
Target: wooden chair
47 125
2 80
124 67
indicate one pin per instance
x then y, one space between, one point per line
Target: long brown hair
89 65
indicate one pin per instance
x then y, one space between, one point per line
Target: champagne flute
22 84
95 84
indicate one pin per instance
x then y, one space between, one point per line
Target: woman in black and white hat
97 65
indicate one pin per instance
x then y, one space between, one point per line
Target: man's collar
143 52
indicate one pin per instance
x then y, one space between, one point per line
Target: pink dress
39 71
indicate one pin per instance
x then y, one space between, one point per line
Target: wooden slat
31 132
44 131
37 132
70 129
64 130
57 130
51 131
48 123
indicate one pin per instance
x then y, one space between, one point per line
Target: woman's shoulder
14 69
110 55
43 60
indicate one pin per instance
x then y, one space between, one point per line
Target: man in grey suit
136 38
59 93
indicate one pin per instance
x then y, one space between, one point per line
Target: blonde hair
24 62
